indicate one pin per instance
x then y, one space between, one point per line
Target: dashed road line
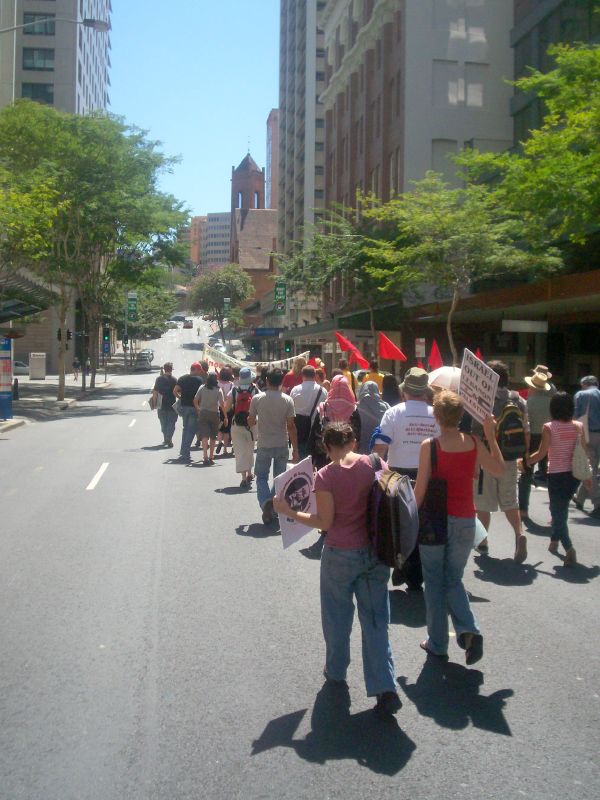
95 480
131 424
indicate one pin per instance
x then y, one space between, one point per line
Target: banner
216 358
478 384
296 487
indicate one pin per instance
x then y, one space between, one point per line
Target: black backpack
510 431
393 516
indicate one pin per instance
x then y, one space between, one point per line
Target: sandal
423 646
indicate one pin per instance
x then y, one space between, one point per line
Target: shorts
208 424
497 492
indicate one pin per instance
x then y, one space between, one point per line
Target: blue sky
201 77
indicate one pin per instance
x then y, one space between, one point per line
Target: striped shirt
563 436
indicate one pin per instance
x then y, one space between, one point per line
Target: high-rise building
408 84
52 59
272 176
216 241
197 233
301 120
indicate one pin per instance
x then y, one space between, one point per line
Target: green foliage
155 306
207 292
552 182
450 238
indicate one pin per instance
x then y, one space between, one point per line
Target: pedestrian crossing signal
288 346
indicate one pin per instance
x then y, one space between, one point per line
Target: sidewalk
40 395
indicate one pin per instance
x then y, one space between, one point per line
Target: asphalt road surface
157 642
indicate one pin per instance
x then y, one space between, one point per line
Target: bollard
16 389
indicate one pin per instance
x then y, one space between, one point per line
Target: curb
10 424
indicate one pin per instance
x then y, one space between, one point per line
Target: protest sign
296 487
478 384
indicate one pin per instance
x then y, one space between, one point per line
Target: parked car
149 354
142 364
188 323
20 368
172 325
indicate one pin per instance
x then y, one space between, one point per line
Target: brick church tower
247 185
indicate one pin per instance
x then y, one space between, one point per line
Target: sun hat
245 377
540 379
415 381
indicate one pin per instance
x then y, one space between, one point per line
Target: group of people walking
417 429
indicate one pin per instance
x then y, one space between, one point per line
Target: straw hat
540 379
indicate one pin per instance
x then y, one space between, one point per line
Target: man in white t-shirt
398 440
307 397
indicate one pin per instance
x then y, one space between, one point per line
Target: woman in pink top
459 457
558 443
350 569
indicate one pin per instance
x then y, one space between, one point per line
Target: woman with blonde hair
457 458
294 376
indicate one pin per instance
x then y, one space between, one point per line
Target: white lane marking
38 469
94 482
131 424
145 403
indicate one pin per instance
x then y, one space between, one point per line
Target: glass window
41 58
35 25
42 92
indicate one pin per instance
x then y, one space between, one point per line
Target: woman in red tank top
458 457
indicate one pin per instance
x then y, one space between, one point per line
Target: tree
111 220
452 237
208 292
552 180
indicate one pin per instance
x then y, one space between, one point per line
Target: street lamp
99 25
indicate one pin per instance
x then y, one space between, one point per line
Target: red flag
478 354
435 357
387 349
420 364
345 344
357 356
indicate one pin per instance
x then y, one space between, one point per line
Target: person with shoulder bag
350 569
447 465
242 436
307 397
561 437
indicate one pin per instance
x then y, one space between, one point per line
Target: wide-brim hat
415 381
539 380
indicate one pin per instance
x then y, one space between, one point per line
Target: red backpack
241 405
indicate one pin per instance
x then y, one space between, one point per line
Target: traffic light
253 347
288 345
69 334
59 334
125 338
106 334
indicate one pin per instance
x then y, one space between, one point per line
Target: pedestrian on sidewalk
76 368
457 457
237 405
164 399
559 438
274 413
492 491
185 391
350 569
540 393
587 408
208 402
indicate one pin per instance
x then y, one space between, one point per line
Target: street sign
279 299
132 306
420 348
106 348
226 305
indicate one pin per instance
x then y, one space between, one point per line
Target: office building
272 168
197 233
216 241
53 60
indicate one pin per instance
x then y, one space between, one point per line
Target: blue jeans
443 567
346 574
262 468
561 486
168 419
189 418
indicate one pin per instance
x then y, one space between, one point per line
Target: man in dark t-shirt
163 397
185 390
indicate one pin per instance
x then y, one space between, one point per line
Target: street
158 643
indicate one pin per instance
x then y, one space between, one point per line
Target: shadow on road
232 490
257 530
536 529
504 571
407 608
336 735
575 574
449 694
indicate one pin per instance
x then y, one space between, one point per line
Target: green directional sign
132 306
280 298
226 305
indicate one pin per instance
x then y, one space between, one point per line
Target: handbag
580 463
433 514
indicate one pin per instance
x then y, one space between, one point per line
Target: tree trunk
94 332
62 349
455 299
373 332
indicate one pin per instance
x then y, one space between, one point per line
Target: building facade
197 233
52 60
272 167
215 250
408 84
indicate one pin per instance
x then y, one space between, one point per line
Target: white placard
478 384
296 487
